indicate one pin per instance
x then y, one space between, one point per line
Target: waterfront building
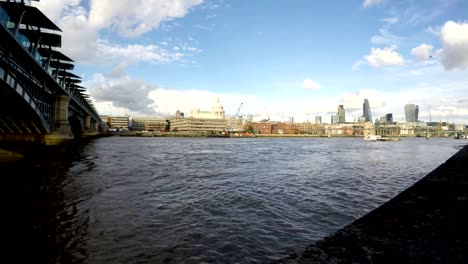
388 130
284 128
311 129
273 127
334 130
411 112
341 114
192 124
366 111
249 118
149 123
217 112
262 127
363 128
335 119
318 120
120 123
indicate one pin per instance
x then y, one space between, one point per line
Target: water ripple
179 200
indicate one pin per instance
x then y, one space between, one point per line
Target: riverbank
426 223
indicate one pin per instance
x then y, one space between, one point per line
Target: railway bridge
41 100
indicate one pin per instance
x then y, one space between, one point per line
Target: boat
380 138
370 137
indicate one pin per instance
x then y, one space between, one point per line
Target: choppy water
192 200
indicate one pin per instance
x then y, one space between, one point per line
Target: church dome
217 110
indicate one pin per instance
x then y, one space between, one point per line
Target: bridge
41 100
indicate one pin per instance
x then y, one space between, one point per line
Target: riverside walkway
426 223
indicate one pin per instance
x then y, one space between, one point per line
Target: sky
280 59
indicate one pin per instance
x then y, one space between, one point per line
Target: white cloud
369 3
422 52
124 92
309 84
133 53
55 9
81 29
384 57
79 39
454 38
435 32
385 37
138 17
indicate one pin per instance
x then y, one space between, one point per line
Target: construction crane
238 110
233 125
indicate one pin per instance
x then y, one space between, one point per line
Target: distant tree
250 129
168 126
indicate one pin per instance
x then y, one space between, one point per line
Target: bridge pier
61 132
87 124
91 127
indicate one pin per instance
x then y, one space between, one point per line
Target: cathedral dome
218 110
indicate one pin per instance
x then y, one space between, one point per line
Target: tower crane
238 110
233 124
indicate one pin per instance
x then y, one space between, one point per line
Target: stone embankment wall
427 223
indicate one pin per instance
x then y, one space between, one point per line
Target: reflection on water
151 200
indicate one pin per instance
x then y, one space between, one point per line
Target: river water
192 200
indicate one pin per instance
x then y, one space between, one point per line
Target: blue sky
279 58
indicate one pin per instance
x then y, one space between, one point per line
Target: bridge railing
41 108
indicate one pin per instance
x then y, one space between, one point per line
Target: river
192 200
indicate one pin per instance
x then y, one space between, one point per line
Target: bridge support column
87 124
62 132
95 127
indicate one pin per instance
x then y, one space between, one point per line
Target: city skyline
181 55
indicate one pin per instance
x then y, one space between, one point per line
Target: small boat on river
370 137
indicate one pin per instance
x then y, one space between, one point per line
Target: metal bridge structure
41 100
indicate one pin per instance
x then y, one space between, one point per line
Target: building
389 117
386 119
311 129
318 120
217 112
284 128
361 119
335 119
148 124
411 112
274 128
366 111
120 123
341 114
262 127
191 124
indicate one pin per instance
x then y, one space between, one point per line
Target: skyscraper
335 119
389 118
341 114
318 120
411 112
366 111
